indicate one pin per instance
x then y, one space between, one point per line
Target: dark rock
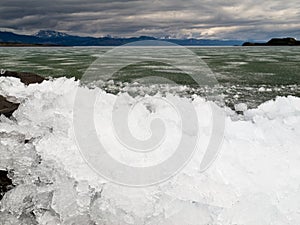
25 77
5 183
7 108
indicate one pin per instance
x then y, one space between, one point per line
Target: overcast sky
226 19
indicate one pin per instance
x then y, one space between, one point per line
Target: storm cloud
245 19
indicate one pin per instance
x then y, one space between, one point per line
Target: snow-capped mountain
51 37
50 34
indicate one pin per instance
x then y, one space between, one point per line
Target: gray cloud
245 19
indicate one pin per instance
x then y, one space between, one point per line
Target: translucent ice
255 179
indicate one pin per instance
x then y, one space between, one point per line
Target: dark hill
276 42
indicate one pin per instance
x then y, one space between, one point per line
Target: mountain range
50 38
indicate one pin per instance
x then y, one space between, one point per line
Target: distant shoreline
273 42
14 44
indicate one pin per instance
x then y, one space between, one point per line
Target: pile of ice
255 180
252 95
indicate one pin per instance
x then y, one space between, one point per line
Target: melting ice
255 179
